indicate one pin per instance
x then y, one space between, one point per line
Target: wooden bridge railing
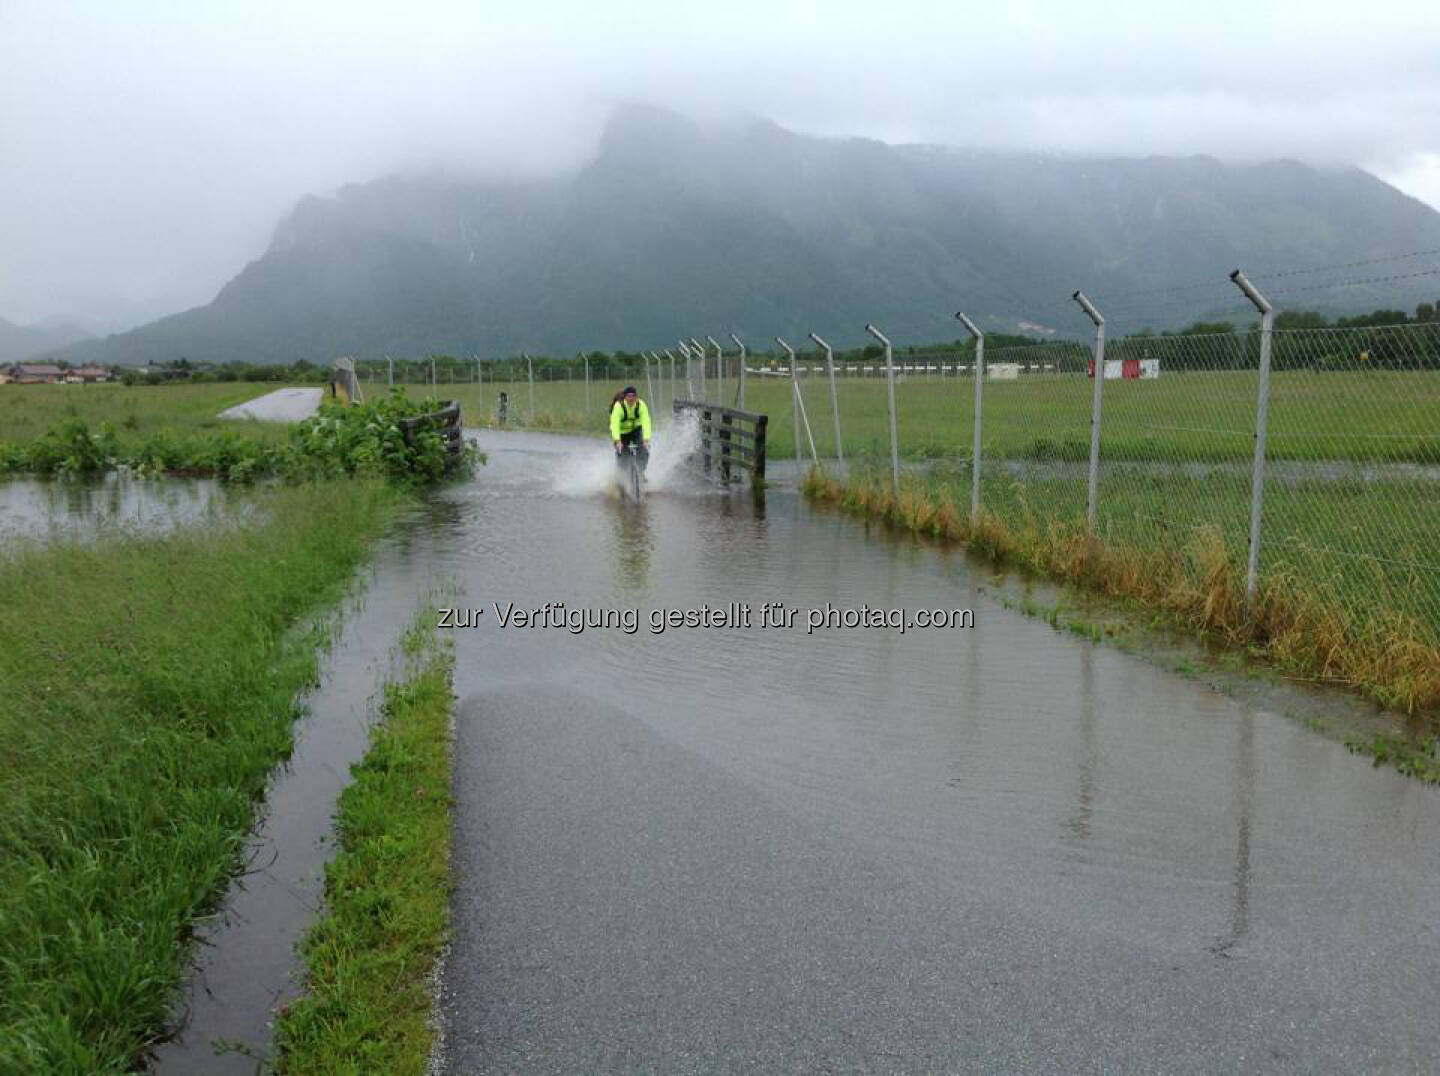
729 438
447 420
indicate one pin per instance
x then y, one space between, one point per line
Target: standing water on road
993 847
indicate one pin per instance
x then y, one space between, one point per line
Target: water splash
590 470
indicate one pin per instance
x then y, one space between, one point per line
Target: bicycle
632 478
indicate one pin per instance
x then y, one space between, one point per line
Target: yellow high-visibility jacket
624 419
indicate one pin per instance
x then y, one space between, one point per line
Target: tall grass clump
371 955
1198 583
150 686
367 439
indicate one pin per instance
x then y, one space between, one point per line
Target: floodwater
991 847
34 511
246 964
1115 867
282 405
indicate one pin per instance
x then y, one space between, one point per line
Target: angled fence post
979 338
649 387
689 369
834 397
699 354
740 392
890 392
1096 396
719 371
1262 413
671 356
794 390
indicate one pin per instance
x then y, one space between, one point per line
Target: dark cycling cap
630 391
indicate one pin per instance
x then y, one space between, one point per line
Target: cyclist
630 425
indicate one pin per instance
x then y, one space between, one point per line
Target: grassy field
27 411
1381 416
150 688
370 956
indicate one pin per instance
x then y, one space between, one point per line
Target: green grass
1366 632
1376 415
27 411
370 956
150 687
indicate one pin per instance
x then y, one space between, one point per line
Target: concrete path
282 405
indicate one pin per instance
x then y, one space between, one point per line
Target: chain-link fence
1349 502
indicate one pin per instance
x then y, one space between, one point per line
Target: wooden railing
729 439
447 421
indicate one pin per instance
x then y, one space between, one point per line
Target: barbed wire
1356 283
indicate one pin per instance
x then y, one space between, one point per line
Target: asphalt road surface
988 849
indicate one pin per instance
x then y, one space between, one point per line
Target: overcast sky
148 149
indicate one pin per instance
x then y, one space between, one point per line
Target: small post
390 372
979 388
671 356
1262 412
834 398
584 358
890 390
530 374
740 392
649 388
432 377
1096 396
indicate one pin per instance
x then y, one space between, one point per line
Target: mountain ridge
676 227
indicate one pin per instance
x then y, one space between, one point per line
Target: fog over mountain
19 342
678 227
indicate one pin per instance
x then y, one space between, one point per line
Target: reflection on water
1074 781
43 511
631 544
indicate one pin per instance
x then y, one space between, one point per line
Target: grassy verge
150 688
27 411
387 890
1197 582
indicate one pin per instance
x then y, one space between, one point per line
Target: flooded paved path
282 405
995 849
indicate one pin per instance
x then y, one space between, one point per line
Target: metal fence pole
740 392
1092 499
1262 412
689 368
586 360
719 371
890 392
834 397
671 356
794 395
700 354
390 371
979 338
649 388
530 376
432 377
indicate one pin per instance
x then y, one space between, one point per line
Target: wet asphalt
1001 850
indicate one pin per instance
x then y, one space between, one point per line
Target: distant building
87 375
32 373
